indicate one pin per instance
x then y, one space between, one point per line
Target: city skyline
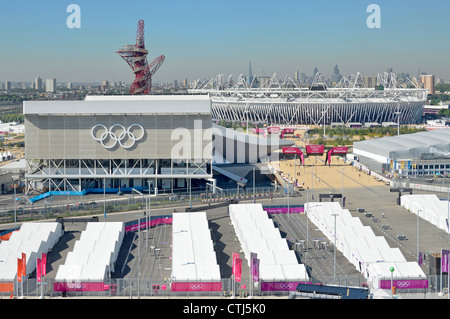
201 39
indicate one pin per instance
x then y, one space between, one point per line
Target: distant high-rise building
428 82
370 81
250 73
336 76
185 83
264 81
297 76
105 85
50 85
315 71
38 83
69 86
7 86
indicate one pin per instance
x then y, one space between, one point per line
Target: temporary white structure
94 254
257 234
193 255
366 251
32 239
429 207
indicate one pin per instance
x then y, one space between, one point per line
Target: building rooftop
409 146
123 104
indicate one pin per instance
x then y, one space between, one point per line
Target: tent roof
408 146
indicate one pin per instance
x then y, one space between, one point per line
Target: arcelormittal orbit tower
136 57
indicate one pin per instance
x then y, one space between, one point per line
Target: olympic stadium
273 101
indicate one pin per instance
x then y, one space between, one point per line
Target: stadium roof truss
314 102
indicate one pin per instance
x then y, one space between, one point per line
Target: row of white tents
6 156
193 255
94 254
32 239
429 207
257 234
370 254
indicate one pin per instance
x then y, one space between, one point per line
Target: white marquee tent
257 234
32 239
370 254
193 255
429 207
94 254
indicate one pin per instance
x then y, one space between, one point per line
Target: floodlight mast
136 57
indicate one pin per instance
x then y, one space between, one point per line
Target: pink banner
196 286
39 269
315 149
444 260
44 264
284 210
405 284
273 130
258 130
280 285
291 150
153 222
287 131
340 150
238 269
79 286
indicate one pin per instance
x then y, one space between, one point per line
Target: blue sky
203 38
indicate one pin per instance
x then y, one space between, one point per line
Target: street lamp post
418 257
104 197
139 255
391 269
254 194
334 250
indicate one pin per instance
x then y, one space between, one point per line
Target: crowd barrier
86 191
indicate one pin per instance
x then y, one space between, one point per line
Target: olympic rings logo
117 134
286 286
196 286
403 284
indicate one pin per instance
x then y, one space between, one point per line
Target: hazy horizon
201 39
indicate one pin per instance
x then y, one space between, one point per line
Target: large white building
133 142
117 142
418 154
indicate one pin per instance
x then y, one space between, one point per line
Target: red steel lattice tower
136 57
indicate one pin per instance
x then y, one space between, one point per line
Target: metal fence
147 288
79 206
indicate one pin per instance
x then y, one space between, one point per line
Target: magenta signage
280 285
315 149
293 150
287 131
258 130
405 284
337 150
196 286
284 210
272 130
79 286
144 225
